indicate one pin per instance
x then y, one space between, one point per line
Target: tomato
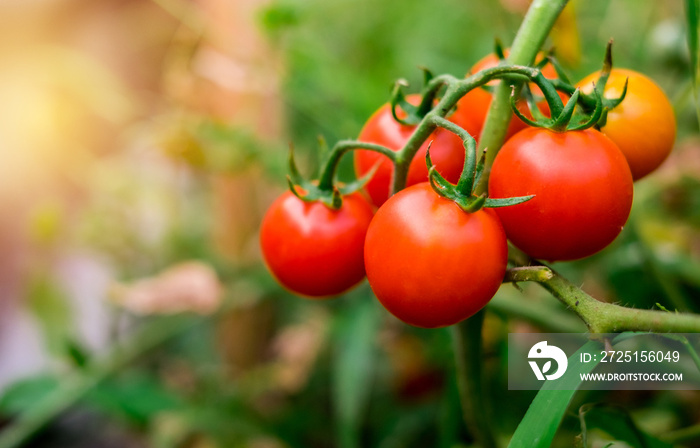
313 250
430 263
643 126
475 105
582 187
446 151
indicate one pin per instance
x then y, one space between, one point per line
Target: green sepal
561 74
331 198
599 85
498 49
542 63
293 189
607 68
505 202
612 103
595 117
467 202
436 180
516 111
427 75
473 204
399 99
562 121
294 174
357 184
532 104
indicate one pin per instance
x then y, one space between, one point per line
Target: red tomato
643 126
582 187
475 105
430 263
313 250
446 151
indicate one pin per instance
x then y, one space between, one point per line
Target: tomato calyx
413 114
563 121
589 103
324 190
608 104
462 193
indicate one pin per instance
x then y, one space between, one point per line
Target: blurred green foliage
376 383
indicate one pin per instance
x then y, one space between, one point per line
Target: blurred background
141 142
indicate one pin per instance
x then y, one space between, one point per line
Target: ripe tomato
313 250
430 263
446 150
582 187
643 126
475 105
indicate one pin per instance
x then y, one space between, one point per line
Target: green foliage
617 424
543 417
354 358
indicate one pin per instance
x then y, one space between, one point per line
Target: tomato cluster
431 260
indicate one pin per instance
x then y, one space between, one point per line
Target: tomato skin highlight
446 151
644 125
430 263
582 186
312 250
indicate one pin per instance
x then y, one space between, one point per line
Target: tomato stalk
455 89
462 194
532 33
601 317
466 339
327 177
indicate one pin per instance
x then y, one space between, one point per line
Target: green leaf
617 423
355 345
24 394
692 13
136 397
537 428
505 202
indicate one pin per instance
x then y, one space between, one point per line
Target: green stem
534 30
331 165
77 384
532 34
528 274
466 179
468 361
601 317
456 89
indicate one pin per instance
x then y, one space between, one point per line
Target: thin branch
528 274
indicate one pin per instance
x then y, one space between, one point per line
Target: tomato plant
643 126
582 187
381 128
430 263
312 249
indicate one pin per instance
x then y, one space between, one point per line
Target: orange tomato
643 126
